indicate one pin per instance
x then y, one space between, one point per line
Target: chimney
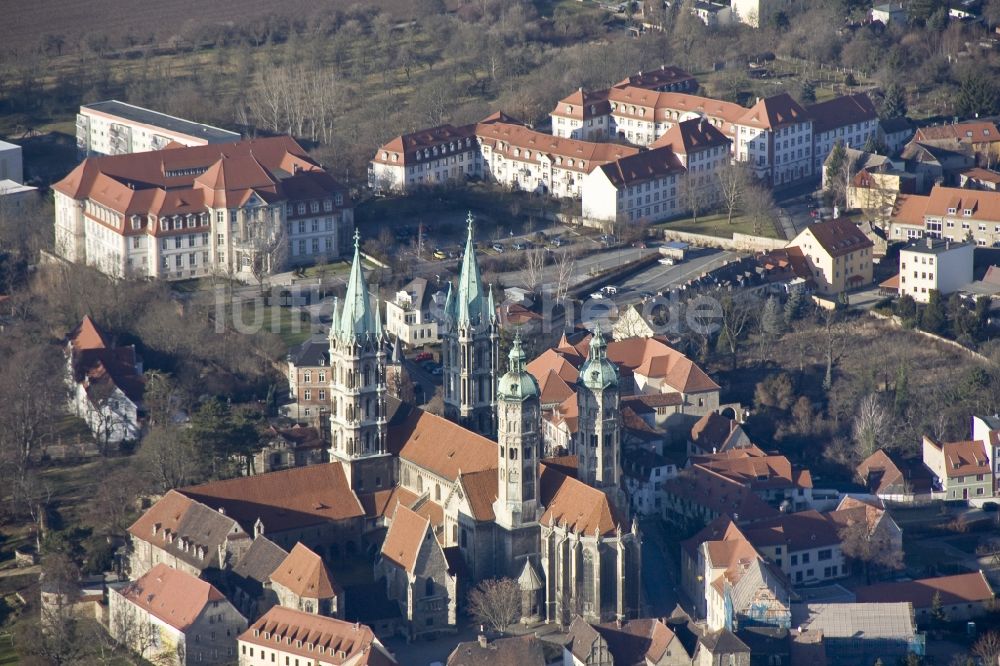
930 243
482 640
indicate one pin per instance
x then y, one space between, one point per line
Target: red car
423 356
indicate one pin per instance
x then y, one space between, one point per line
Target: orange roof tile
175 597
304 573
839 237
382 503
958 589
579 507
440 446
481 491
332 641
283 500
527 145
983 204
87 336
406 533
909 209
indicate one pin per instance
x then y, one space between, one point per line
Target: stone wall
739 242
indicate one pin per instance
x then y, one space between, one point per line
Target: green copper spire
469 305
598 372
357 322
518 383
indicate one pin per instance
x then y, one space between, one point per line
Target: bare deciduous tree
737 313
987 647
862 543
496 602
534 267
733 182
170 458
871 425
565 268
758 205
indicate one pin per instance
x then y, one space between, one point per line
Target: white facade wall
589 129
946 271
100 133
409 323
117 420
11 162
855 135
435 166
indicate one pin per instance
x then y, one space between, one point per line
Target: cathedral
559 526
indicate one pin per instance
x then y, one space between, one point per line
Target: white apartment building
408 315
285 636
851 120
429 157
928 264
116 128
755 12
11 163
221 209
173 618
957 215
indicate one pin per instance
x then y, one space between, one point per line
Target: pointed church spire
469 303
357 321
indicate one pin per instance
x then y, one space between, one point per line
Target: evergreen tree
793 306
807 94
977 94
893 102
906 308
932 318
772 320
937 609
835 165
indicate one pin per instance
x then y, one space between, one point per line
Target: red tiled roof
970 131
841 111
382 503
691 136
332 641
404 538
958 589
440 446
521 143
304 573
909 209
839 237
577 506
645 166
983 204
481 492
719 494
284 500
173 596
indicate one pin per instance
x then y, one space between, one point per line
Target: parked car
668 261
498 247
519 245
597 294
440 254
423 356
610 290
559 242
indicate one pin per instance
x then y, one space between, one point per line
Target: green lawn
7 653
718 225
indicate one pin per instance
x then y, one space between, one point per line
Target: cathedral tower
519 442
598 439
358 387
470 349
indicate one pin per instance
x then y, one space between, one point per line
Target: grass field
718 225
7 653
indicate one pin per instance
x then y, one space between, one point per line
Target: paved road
659 277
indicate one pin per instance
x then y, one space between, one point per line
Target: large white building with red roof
233 209
171 617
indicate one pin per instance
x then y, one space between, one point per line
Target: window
825 554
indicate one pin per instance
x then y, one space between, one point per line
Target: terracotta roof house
160 204
962 596
839 254
888 478
961 469
303 582
936 164
186 535
702 494
772 477
416 575
288 635
714 433
980 137
107 384
190 620
248 583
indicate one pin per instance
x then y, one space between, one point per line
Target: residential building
309 380
935 165
757 12
429 157
698 495
961 597
171 617
303 582
772 477
408 316
116 128
857 634
232 209
714 433
712 14
980 138
645 642
978 178
416 575
889 12
185 535
647 186
15 196
907 220
290 447
284 636
644 473
839 255
850 120
664 79
11 163
107 384
930 264
892 479
962 469
986 429
894 133
956 214
513 651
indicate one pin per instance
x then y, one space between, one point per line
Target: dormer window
164 224
967 212
569 109
136 222
951 211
